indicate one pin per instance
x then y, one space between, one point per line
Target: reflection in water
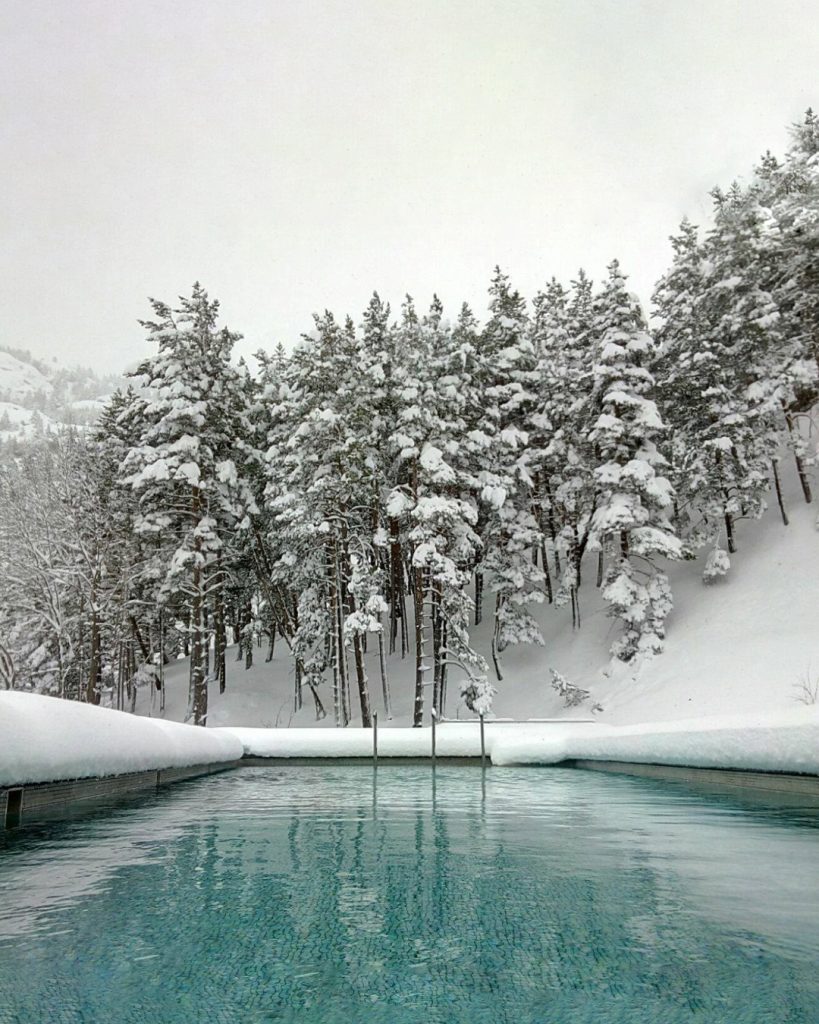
343 895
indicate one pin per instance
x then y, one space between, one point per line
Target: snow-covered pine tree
789 192
506 376
743 320
693 387
445 514
186 464
560 451
305 497
631 521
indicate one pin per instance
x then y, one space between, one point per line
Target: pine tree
184 465
506 375
631 521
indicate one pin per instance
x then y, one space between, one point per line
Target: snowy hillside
744 644
20 380
16 421
36 396
564 469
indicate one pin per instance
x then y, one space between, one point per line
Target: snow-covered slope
36 395
17 421
745 644
20 380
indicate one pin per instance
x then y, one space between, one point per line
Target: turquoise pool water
321 896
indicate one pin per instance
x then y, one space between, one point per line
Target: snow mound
453 739
45 739
784 742
787 741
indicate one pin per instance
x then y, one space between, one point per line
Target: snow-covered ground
786 741
746 644
19 379
453 739
18 422
780 741
47 397
735 688
43 739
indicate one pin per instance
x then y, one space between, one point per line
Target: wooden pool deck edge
47 801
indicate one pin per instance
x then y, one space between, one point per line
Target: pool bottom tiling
338 895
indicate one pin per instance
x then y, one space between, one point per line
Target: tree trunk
547 576
800 465
404 628
778 488
146 653
320 712
92 693
495 636
341 654
297 685
205 640
552 526
396 583
382 663
220 643
478 597
199 684
442 708
335 656
729 533
161 666
363 684
436 647
420 668
247 635
132 671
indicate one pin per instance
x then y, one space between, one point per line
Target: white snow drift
44 739
453 739
783 742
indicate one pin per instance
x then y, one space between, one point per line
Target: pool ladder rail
481 721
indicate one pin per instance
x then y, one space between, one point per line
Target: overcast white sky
297 155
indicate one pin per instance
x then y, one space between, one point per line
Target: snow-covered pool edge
46 739
787 741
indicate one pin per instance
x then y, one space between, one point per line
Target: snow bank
453 739
786 741
43 739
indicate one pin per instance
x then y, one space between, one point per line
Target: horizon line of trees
387 484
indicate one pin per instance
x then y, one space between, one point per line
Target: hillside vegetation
423 513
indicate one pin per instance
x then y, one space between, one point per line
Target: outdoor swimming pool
324 895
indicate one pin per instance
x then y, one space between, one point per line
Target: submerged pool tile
306 897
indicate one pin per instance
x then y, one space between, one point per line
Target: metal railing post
483 746
375 738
